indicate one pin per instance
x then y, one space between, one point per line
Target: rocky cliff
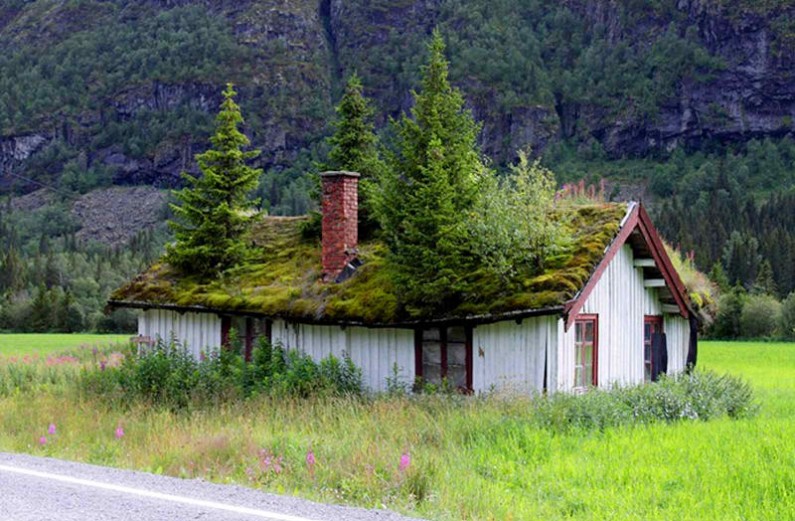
97 92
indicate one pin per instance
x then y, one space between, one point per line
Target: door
652 325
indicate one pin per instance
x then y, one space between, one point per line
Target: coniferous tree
354 143
214 209
354 147
431 182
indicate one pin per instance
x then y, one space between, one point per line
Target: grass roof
286 281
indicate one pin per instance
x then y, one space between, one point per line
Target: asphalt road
43 489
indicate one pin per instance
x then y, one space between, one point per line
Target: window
445 353
247 331
586 349
652 324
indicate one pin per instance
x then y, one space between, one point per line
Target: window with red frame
586 350
652 324
445 354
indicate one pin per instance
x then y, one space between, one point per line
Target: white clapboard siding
677 333
620 300
510 357
377 352
196 331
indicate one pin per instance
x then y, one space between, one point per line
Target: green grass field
46 344
470 459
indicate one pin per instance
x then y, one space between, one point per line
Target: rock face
289 58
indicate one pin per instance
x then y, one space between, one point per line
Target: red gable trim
638 218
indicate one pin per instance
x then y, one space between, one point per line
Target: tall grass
470 458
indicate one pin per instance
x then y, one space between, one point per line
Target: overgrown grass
45 344
469 458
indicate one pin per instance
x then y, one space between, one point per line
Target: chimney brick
340 227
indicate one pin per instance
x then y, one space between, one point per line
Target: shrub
700 395
167 374
760 316
787 321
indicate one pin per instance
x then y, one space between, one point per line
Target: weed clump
166 374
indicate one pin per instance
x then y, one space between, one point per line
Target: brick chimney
340 228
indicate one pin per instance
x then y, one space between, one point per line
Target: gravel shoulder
25 497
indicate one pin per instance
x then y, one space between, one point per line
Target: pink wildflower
102 365
51 429
310 462
43 440
405 461
119 432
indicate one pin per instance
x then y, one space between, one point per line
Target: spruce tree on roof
354 147
214 210
432 182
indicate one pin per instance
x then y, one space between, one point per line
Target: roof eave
488 318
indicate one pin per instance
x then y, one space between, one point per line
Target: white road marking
155 495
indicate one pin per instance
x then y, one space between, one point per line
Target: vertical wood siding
510 357
196 331
374 351
677 331
621 301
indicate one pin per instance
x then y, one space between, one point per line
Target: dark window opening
652 325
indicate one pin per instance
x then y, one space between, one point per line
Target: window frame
654 321
581 319
418 353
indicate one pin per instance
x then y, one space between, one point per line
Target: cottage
614 311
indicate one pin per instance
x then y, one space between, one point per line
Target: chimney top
340 173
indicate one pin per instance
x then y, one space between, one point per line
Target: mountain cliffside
98 92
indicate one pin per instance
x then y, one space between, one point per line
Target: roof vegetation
286 281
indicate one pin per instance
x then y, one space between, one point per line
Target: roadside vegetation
642 452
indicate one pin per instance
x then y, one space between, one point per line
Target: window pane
589 331
457 376
456 354
432 373
588 355
578 355
456 334
432 353
578 382
431 334
578 331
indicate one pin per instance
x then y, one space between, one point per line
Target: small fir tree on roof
214 210
431 183
354 147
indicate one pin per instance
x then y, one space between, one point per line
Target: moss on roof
286 283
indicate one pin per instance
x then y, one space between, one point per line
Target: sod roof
286 283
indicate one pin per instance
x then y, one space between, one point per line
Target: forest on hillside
687 106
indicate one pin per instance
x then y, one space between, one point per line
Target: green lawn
470 459
44 344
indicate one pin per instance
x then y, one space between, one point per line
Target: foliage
167 374
730 307
433 179
52 281
211 220
760 316
354 143
354 147
510 227
787 326
704 293
468 455
699 395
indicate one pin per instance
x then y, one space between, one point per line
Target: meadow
48 343
439 457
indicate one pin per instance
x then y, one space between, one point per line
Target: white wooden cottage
628 319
